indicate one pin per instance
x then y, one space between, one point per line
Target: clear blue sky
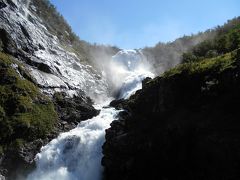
140 23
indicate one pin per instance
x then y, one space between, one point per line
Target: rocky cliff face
183 125
44 84
52 66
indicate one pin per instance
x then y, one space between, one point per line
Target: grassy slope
216 64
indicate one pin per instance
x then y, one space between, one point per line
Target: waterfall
77 154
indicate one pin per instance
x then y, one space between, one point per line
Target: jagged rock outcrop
51 62
74 110
183 125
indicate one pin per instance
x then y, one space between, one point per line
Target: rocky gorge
71 110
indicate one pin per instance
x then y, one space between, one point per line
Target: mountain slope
167 55
181 125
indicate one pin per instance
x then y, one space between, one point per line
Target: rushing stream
76 155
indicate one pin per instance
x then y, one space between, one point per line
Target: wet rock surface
75 109
46 63
23 35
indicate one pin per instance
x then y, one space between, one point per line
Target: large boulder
75 109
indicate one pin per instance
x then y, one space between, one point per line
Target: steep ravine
55 90
77 154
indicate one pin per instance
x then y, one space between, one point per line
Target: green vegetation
213 55
25 114
217 64
208 44
226 40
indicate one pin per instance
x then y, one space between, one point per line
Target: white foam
75 155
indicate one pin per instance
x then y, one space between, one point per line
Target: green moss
5 59
58 96
37 121
25 114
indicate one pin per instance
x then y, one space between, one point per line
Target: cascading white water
76 155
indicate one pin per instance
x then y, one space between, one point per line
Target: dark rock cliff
183 125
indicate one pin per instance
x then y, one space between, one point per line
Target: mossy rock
25 113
